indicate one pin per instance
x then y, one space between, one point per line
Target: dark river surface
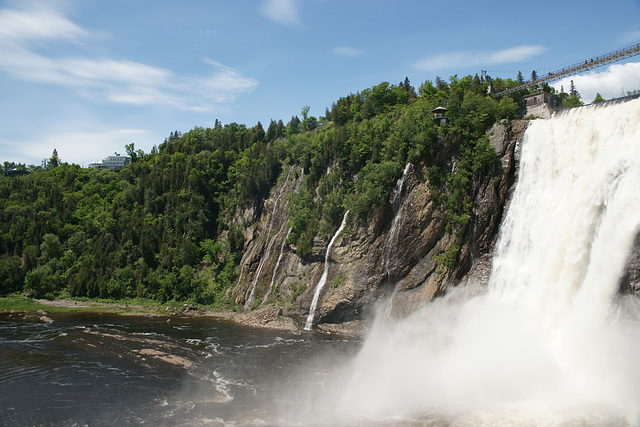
102 369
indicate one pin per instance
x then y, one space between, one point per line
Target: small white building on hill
114 163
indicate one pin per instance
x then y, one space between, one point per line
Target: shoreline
270 317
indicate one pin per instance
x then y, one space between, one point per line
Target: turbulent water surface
88 369
550 341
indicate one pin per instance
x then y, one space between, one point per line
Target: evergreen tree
572 99
259 132
293 125
166 227
271 131
54 161
573 91
476 85
280 129
440 84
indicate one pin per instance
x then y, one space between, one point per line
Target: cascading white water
275 269
394 234
316 296
264 258
394 231
545 344
271 241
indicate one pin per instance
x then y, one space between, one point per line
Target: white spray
545 344
316 296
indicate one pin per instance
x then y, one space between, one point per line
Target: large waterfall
550 341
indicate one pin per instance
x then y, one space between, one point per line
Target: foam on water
545 343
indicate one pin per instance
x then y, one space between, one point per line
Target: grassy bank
22 303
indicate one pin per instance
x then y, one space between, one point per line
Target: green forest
165 227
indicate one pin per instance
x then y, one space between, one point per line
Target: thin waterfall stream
271 241
264 258
394 234
316 296
275 269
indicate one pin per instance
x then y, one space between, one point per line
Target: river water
550 341
99 369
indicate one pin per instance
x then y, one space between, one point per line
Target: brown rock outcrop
392 255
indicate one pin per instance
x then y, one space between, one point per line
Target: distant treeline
165 227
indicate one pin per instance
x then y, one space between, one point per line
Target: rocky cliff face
393 261
631 281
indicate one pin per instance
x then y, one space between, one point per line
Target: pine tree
573 99
573 91
476 85
54 161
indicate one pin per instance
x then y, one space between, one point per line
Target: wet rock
172 359
269 316
394 253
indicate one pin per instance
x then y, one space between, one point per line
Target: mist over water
549 341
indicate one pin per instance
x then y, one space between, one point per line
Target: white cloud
106 79
458 59
285 12
347 51
41 23
614 82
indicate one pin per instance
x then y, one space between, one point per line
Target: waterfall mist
550 341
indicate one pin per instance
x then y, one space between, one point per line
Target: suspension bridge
578 67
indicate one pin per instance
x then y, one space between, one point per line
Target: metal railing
579 67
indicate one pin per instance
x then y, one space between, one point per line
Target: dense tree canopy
165 227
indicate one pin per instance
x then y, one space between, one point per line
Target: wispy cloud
346 51
613 82
285 12
631 36
41 22
457 59
105 79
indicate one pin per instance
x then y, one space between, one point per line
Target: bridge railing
579 67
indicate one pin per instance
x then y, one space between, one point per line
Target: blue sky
88 77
